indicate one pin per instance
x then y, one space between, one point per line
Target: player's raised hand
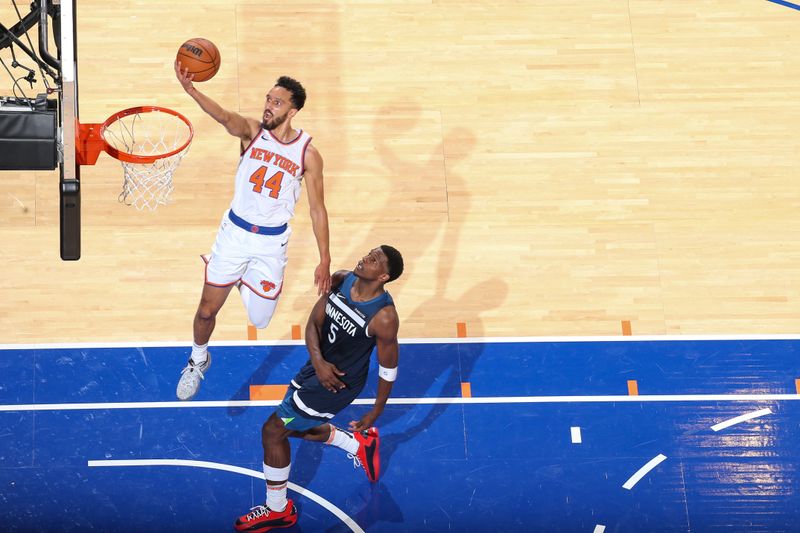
183 76
328 375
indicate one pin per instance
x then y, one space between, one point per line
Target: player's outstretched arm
237 125
384 326
319 218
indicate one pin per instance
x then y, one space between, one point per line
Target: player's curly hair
395 261
294 87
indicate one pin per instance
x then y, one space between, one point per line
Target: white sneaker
191 375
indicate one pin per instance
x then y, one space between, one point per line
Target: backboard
39 101
70 171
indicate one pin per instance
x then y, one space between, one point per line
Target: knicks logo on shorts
267 286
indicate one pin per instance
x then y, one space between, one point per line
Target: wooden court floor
547 168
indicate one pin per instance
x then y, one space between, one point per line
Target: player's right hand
327 374
183 76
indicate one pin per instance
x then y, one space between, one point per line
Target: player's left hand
322 278
366 422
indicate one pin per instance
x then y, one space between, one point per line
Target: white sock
342 439
276 494
199 353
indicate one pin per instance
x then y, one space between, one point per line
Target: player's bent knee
259 309
206 312
259 320
273 431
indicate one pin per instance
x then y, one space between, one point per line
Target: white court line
434 340
651 464
735 420
409 401
575 433
599 528
349 522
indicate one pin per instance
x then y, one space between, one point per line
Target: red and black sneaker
262 518
368 455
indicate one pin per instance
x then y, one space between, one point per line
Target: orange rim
143 159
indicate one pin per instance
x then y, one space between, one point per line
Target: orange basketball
201 57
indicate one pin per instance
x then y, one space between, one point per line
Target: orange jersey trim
252 142
205 276
303 158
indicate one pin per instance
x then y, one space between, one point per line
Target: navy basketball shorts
293 418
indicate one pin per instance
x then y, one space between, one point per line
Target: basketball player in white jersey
250 249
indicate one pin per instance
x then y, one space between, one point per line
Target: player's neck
363 290
285 133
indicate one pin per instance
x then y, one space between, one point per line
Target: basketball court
569 435
597 204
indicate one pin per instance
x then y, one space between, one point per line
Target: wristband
387 374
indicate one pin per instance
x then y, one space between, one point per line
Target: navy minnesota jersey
345 342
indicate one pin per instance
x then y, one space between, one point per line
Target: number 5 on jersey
273 183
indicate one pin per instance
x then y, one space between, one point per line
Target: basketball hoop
149 141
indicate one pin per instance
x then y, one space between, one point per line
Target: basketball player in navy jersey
250 249
341 332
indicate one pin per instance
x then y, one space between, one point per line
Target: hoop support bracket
89 143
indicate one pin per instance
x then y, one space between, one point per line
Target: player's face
277 108
373 266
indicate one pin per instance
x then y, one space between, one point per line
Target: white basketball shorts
257 260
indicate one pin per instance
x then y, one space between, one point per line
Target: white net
155 134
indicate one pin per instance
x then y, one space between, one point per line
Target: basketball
201 57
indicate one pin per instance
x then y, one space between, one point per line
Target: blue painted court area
786 4
93 439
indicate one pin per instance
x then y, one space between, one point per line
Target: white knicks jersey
268 179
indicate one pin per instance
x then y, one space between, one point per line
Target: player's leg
362 446
260 310
262 281
279 511
277 461
211 301
224 268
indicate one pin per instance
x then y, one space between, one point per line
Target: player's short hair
394 260
294 87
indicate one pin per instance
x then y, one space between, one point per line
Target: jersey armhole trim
252 141
303 158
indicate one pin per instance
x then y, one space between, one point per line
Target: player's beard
274 123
